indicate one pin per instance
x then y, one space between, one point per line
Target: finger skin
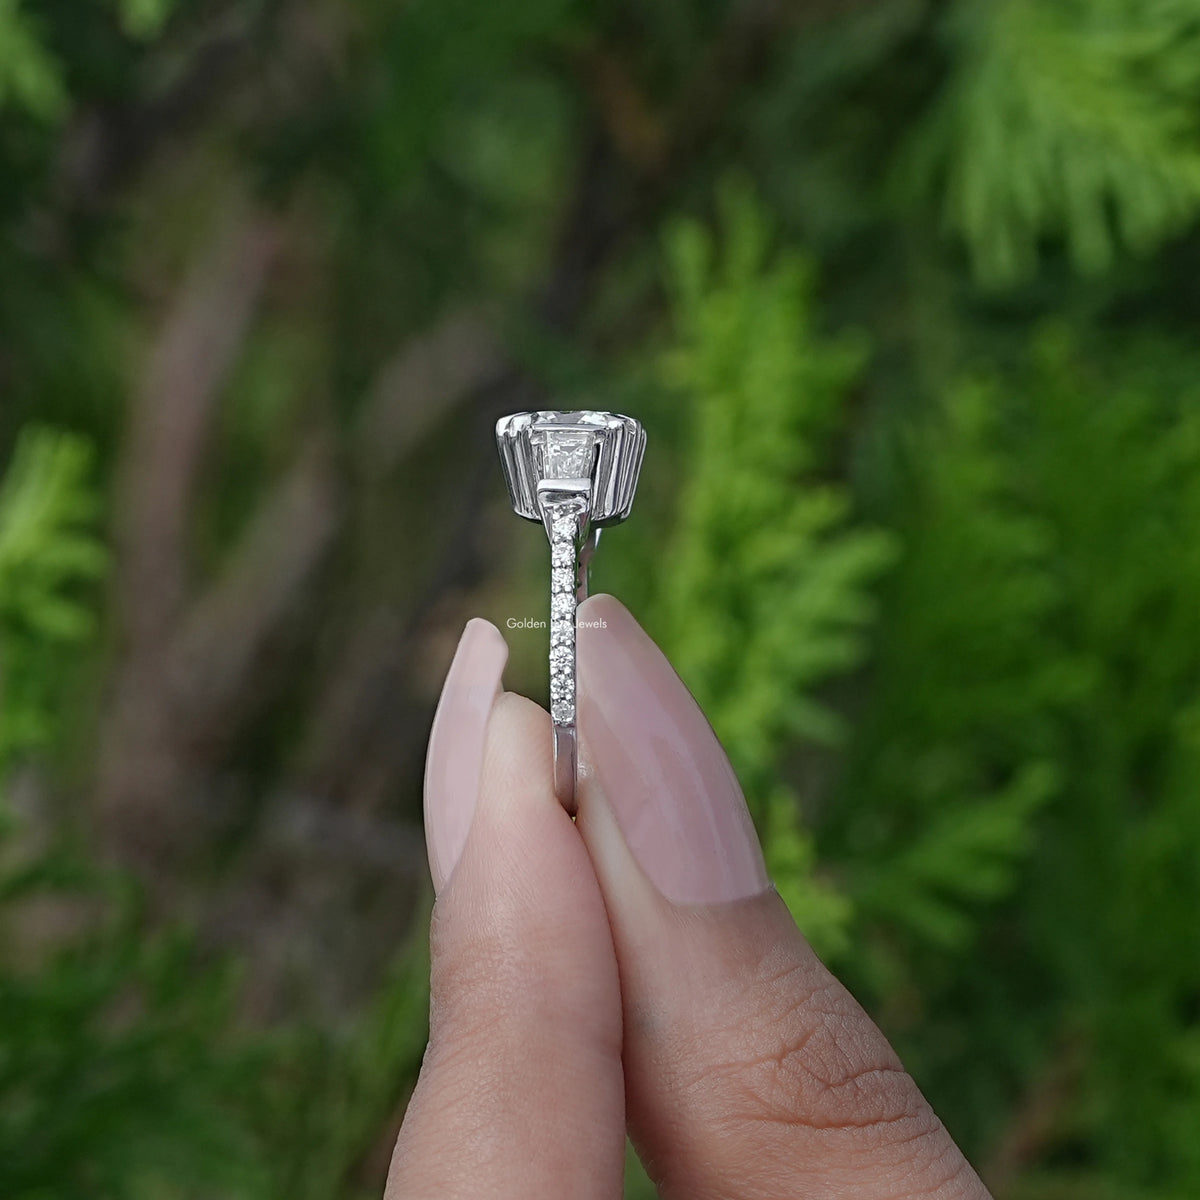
520 1093
750 1072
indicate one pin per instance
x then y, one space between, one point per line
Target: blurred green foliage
49 549
764 590
1077 120
905 295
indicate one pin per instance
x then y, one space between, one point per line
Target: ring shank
566 740
565 767
566 521
574 472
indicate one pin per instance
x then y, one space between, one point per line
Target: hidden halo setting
574 473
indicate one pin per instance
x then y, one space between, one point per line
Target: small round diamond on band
574 473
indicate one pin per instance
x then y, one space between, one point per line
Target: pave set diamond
563 531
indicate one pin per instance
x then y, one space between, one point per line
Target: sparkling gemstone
565 527
595 455
560 656
563 555
562 606
595 420
562 633
562 579
563 711
567 454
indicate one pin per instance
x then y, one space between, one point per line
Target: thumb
749 1070
520 1093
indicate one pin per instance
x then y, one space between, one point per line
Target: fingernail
660 766
456 741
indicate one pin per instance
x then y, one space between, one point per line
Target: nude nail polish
661 767
456 744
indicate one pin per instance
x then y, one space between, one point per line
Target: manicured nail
455 759
660 766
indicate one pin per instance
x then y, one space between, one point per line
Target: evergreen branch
1074 120
764 588
47 551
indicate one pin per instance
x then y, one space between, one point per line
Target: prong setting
542 448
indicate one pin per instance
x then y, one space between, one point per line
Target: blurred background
906 293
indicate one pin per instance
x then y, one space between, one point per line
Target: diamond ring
574 472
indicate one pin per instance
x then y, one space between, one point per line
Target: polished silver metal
574 473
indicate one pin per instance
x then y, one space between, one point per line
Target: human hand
633 967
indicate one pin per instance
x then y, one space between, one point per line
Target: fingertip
660 765
454 760
518 766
